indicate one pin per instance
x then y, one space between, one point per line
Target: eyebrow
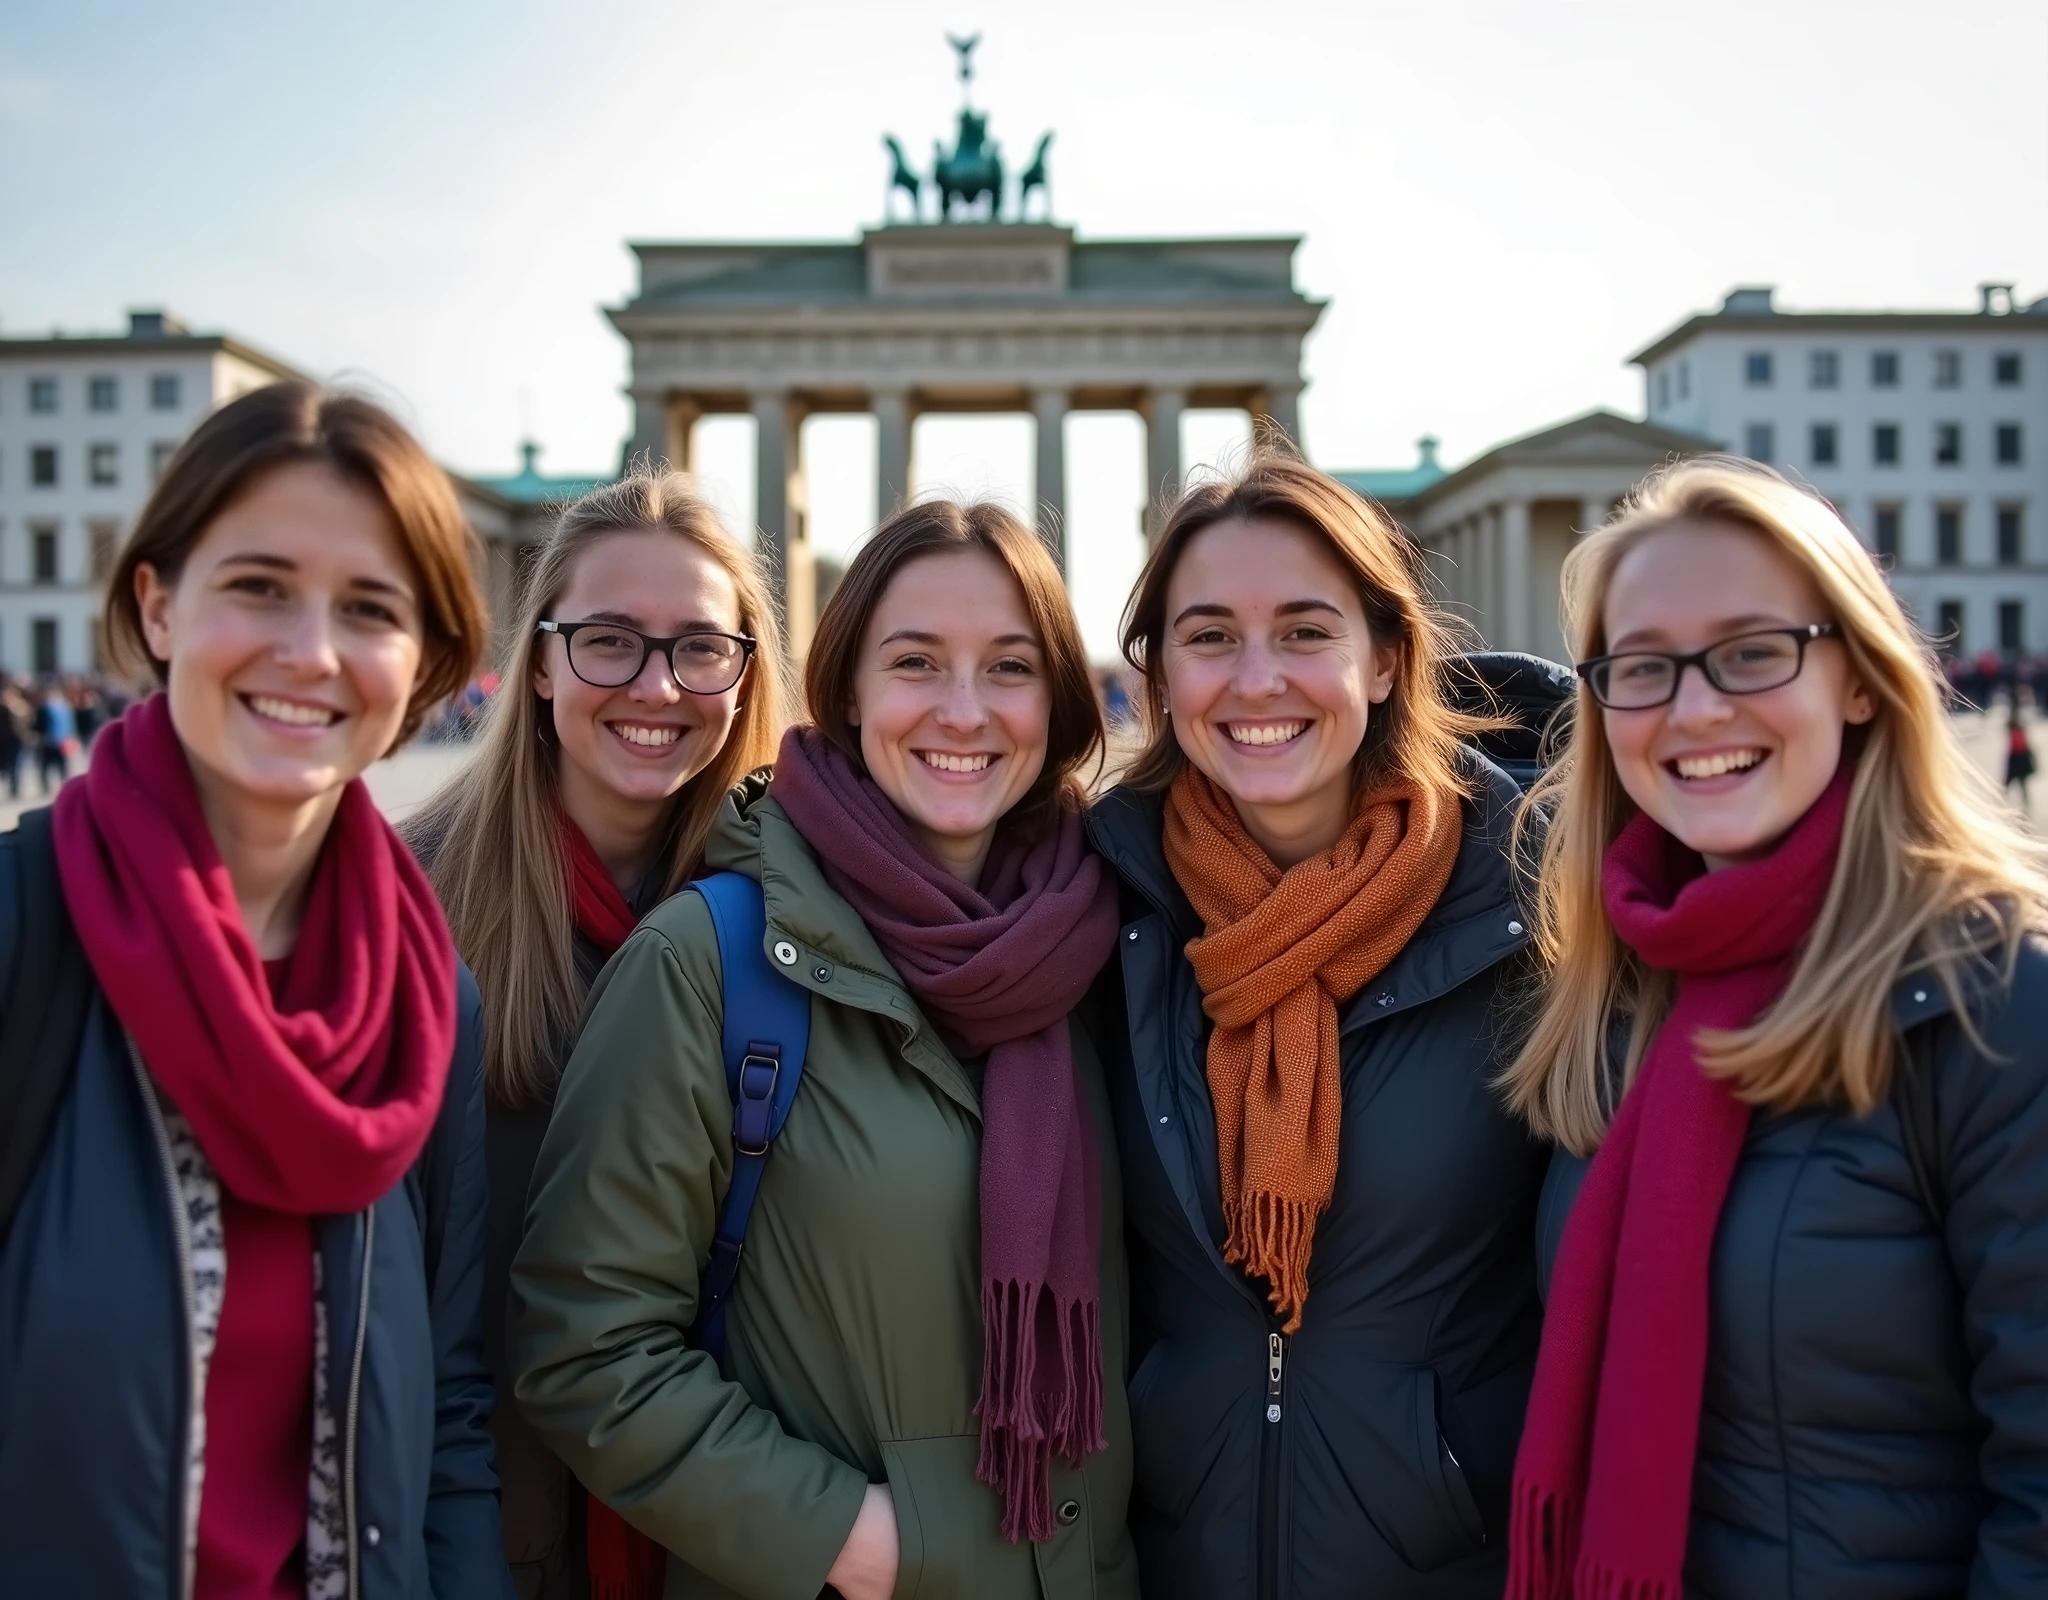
1721 628
626 619
278 563
1287 608
917 636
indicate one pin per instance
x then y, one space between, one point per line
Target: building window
103 394
1948 444
2005 369
1885 534
42 554
1684 380
2008 439
160 454
163 392
103 464
1663 389
1756 369
43 645
42 466
1948 369
1824 444
1760 440
1948 536
1884 444
1884 369
103 540
2012 626
1948 626
42 395
1824 369
2012 537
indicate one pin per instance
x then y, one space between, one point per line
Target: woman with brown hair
1331 1218
241 1198
921 1386
1791 1045
644 680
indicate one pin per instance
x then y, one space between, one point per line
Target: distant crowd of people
49 723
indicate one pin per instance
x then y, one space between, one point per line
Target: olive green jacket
854 1333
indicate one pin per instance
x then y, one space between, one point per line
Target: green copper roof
1395 483
530 488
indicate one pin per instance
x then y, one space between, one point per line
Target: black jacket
1875 1421
95 1376
1397 1407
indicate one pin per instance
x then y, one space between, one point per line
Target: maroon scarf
1603 1480
624 1563
315 1098
997 969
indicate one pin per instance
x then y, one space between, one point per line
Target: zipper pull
1276 1354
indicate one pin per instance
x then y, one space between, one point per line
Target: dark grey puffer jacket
1875 1422
1369 1454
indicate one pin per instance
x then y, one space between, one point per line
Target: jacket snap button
371 1536
1069 1513
1919 996
1514 927
1132 936
822 973
1383 1000
785 952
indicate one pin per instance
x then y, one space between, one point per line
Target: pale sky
1500 201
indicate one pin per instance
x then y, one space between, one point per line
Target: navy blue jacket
1875 1417
1370 1453
95 1373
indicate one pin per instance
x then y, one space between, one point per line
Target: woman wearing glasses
643 682
1796 1243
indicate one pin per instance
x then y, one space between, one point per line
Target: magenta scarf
1603 1479
997 969
313 1100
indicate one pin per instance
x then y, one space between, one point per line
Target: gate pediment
956 261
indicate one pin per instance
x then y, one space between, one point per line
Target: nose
960 709
656 683
307 642
1697 701
1258 674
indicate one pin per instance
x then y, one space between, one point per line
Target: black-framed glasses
1748 663
610 655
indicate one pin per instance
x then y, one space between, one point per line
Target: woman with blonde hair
1331 1214
1792 1047
643 682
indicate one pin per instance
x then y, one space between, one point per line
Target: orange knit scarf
1282 949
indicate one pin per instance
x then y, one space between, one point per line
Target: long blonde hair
493 834
1934 870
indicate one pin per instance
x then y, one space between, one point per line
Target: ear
153 603
1858 707
1386 664
543 676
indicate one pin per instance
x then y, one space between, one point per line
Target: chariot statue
968 177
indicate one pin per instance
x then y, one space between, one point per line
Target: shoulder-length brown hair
1417 730
278 426
939 527
493 834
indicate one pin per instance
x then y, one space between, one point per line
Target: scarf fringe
1018 1439
1543 1537
1594 1582
1272 1236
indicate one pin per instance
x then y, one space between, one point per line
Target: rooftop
149 332
1395 483
1752 308
530 487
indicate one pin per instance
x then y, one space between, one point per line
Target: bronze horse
905 176
974 170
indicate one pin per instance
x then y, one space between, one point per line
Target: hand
866 1568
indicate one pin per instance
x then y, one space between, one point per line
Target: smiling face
1271 673
951 702
626 751
1726 775
293 639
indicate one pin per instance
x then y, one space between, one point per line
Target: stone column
1162 453
777 509
1514 574
1281 405
680 450
1049 412
1486 571
892 451
650 428
1593 511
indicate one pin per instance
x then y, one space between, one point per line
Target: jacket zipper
1269 1467
181 1234
355 1397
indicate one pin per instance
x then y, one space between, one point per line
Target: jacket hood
1477 921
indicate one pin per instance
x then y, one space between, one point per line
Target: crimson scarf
997 968
624 1563
1603 1479
315 1098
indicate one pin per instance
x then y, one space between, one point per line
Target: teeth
946 763
290 711
1263 732
1715 765
653 738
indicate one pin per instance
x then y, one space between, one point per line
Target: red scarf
997 967
624 1563
1603 1479
312 1100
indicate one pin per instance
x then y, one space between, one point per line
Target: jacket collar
1477 921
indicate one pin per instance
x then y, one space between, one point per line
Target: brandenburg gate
969 314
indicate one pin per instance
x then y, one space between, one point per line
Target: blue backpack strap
767 1029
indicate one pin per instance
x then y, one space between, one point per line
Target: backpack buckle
753 1112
